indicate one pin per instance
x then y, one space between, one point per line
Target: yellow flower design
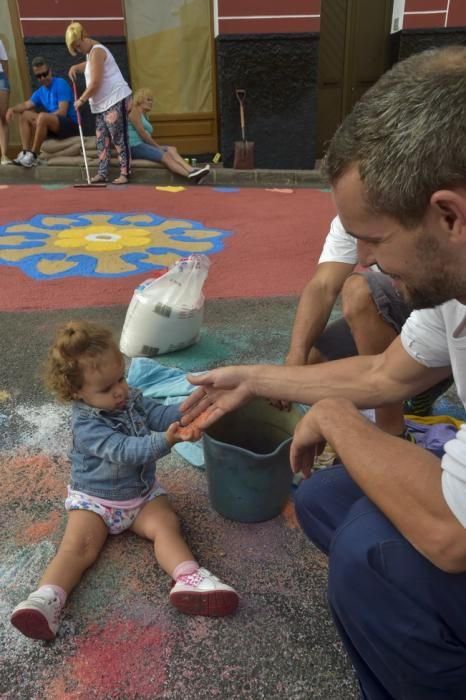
102 244
103 238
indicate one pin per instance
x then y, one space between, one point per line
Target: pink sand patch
114 660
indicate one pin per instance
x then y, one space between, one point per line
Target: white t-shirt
3 56
340 247
113 87
437 338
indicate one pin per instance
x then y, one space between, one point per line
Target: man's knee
47 121
315 357
321 503
357 299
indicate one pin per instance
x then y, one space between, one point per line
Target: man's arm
62 110
403 480
368 381
314 308
19 109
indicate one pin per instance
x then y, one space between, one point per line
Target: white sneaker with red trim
38 616
202 593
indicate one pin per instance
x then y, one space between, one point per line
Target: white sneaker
199 173
202 593
19 158
38 617
29 159
5 161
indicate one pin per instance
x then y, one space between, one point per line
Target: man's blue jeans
401 619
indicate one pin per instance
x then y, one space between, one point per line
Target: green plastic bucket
247 457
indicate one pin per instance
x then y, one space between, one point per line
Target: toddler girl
117 436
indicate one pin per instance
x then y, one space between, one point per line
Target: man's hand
220 391
10 115
308 442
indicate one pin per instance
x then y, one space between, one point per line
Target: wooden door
354 51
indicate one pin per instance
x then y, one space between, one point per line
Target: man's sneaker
202 593
5 161
38 617
19 158
199 173
29 159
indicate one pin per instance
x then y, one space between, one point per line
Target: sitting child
117 436
143 145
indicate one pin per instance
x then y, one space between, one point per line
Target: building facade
269 48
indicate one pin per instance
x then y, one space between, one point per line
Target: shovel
244 150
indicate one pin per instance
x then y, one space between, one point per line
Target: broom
88 177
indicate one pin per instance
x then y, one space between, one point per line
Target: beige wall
12 38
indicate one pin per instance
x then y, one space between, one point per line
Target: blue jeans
401 619
146 151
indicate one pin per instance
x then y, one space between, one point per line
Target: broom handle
81 135
241 94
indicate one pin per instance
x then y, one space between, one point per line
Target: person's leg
45 122
4 99
159 155
27 125
400 618
38 616
145 151
196 591
102 140
116 120
84 537
159 523
180 160
363 309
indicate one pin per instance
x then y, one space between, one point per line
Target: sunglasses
40 76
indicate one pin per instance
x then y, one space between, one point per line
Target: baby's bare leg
84 537
158 522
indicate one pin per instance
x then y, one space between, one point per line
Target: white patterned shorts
116 519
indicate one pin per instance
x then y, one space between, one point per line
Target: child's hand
177 433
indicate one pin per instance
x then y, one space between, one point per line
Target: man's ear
451 208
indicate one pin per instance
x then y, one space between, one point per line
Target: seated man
374 312
57 120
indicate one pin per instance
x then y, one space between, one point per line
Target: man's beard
441 288
439 282
425 298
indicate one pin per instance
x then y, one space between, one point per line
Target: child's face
105 386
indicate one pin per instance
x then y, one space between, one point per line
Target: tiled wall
51 17
106 17
267 16
431 14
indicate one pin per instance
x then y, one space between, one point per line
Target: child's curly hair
77 345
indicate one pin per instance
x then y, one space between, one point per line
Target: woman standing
108 94
144 146
4 98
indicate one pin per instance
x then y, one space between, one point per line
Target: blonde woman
144 146
4 99
108 94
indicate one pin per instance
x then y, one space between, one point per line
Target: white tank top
113 87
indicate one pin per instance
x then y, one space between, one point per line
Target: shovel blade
244 155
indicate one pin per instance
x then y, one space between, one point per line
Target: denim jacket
114 452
